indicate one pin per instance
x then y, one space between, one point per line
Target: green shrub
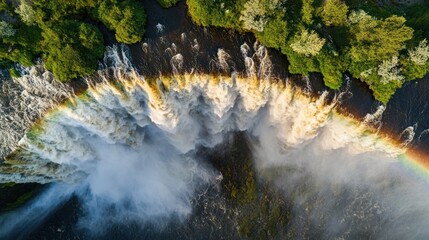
222 13
300 64
58 31
332 68
69 55
275 32
334 12
127 19
14 73
167 3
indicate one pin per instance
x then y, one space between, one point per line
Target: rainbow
412 160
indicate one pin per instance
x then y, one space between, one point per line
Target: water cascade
129 145
24 100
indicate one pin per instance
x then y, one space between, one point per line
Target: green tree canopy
275 32
307 43
323 36
377 40
221 13
72 49
6 29
334 12
420 54
168 3
70 46
26 12
256 13
307 11
126 18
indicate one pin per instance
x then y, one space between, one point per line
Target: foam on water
128 147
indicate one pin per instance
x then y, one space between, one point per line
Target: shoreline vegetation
382 44
371 41
65 34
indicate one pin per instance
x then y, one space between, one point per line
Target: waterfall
131 143
25 99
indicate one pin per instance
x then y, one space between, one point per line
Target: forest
372 42
383 45
65 34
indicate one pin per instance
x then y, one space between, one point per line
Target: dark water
408 107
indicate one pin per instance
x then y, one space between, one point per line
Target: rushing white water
24 100
129 145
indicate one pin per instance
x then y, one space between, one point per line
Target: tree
413 71
389 71
255 14
110 14
334 12
26 12
220 13
6 29
90 38
127 19
377 40
3 5
307 43
167 3
131 27
307 11
71 49
67 63
58 31
420 54
275 32
332 68
356 17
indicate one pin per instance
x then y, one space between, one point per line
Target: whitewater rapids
128 146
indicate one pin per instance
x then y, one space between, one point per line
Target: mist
351 186
35 212
128 149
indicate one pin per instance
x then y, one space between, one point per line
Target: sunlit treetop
372 42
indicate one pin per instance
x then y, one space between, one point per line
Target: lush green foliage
168 3
126 18
307 43
68 55
275 32
22 47
63 34
334 12
6 29
307 11
333 36
3 5
332 67
374 39
222 13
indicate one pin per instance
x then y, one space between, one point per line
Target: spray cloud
128 145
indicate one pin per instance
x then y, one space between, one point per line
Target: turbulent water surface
204 135
130 158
